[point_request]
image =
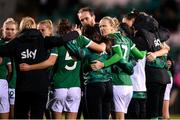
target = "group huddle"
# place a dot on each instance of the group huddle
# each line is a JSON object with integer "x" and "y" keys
{"x": 104, "y": 70}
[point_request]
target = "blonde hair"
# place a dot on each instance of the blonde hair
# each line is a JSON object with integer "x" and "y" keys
{"x": 114, "y": 22}
{"x": 27, "y": 22}
{"x": 48, "y": 22}
{"x": 10, "y": 21}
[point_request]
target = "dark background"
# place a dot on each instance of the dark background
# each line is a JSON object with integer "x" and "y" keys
{"x": 167, "y": 12}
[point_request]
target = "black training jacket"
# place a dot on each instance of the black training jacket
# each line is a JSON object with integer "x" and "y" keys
{"x": 30, "y": 47}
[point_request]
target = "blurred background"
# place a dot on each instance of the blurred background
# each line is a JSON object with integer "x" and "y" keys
{"x": 167, "y": 12}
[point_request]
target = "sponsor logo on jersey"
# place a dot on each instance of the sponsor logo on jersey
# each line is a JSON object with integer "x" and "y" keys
{"x": 157, "y": 42}
{"x": 28, "y": 54}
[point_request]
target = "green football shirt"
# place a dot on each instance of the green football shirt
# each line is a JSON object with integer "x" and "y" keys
{"x": 120, "y": 77}
{"x": 101, "y": 75}
{"x": 67, "y": 70}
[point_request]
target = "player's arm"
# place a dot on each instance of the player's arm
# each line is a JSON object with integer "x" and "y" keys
{"x": 137, "y": 53}
{"x": 153, "y": 55}
{"x": 114, "y": 59}
{"x": 9, "y": 68}
{"x": 76, "y": 51}
{"x": 77, "y": 48}
{"x": 86, "y": 42}
{"x": 54, "y": 41}
{"x": 42, "y": 65}
{"x": 97, "y": 47}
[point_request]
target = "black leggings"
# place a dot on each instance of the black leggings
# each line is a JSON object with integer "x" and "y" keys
{"x": 30, "y": 105}
{"x": 155, "y": 97}
{"x": 99, "y": 96}
{"x": 136, "y": 109}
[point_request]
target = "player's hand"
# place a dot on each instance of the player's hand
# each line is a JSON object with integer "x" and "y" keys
{"x": 151, "y": 56}
{"x": 76, "y": 28}
{"x": 24, "y": 67}
{"x": 97, "y": 65}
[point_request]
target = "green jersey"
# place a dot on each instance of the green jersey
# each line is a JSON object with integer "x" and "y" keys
{"x": 12, "y": 82}
{"x": 3, "y": 67}
{"x": 67, "y": 70}
{"x": 102, "y": 75}
{"x": 120, "y": 77}
{"x": 139, "y": 94}
{"x": 159, "y": 62}
{"x": 3, "y": 64}
{"x": 53, "y": 51}
{"x": 169, "y": 73}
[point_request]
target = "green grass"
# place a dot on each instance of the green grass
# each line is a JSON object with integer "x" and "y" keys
{"x": 175, "y": 117}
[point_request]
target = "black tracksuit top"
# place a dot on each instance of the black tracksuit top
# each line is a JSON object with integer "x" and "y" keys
{"x": 30, "y": 47}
